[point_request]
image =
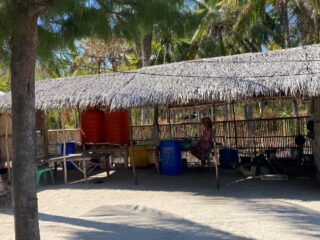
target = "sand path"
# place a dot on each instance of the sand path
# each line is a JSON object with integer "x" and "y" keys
{"x": 184, "y": 207}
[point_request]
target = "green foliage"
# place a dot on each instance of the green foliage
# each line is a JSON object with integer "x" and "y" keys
{"x": 88, "y": 37}
{"x": 4, "y": 78}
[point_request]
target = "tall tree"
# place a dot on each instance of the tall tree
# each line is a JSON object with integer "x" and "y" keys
{"x": 250, "y": 12}
{"x": 21, "y": 21}
{"x": 23, "y": 58}
{"x": 307, "y": 24}
{"x": 225, "y": 27}
{"x": 140, "y": 19}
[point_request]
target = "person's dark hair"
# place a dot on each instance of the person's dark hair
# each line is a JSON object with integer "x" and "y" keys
{"x": 207, "y": 122}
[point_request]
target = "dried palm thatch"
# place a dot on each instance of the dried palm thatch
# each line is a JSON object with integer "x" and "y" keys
{"x": 292, "y": 73}
{"x": 75, "y": 92}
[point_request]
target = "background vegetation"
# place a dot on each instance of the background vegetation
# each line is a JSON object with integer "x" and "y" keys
{"x": 136, "y": 33}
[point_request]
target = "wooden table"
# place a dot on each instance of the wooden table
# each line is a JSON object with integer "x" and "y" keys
{"x": 107, "y": 148}
{"x": 80, "y": 161}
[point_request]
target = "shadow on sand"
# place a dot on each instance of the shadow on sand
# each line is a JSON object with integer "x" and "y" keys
{"x": 122, "y": 222}
{"x": 233, "y": 185}
{"x": 119, "y": 222}
{"x": 303, "y": 220}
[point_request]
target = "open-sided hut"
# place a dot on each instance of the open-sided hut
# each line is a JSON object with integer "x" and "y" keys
{"x": 290, "y": 73}
{"x": 284, "y": 73}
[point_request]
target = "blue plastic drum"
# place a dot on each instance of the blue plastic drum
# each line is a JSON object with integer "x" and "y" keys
{"x": 229, "y": 158}
{"x": 170, "y": 154}
{"x": 70, "y": 149}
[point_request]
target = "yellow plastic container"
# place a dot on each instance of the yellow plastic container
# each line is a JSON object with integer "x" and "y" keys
{"x": 140, "y": 156}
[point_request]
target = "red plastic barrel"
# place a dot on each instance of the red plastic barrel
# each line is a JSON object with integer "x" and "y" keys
{"x": 92, "y": 127}
{"x": 116, "y": 128}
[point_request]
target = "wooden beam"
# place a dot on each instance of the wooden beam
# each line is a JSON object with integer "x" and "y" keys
{"x": 7, "y": 147}
{"x": 132, "y": 150}
{"x": 156, "y": 138}
{"x": 64, "y": 147}
{"x": 235, "y": 126}
{"x": 216, "y": 148}
{"x": 45, "y": 133}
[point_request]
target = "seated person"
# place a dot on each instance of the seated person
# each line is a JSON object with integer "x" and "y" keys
{"x": 203, "y": 147}
{"x": 3, "y": 184}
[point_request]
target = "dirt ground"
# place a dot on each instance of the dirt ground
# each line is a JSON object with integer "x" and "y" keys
{"x": 182, "y": 207}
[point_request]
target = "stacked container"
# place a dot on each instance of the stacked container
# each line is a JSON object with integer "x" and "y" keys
{"x": 92, "y": 126}
{"x": 111, "y": 127}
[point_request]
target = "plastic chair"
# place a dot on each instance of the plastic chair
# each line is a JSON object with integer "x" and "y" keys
{"x": 43, "y": 171}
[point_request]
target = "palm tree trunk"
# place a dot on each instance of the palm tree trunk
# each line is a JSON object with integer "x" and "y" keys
{"x": 316, "y": 27}
{"x": 222, "y": 49}
{"x": 248, "y": 111}
{"x": 145, "y": 55}
{"x": 146, "y": 50}
{"x": 295, "y": 108}
{"x": 23, "y": 58}
{"x": 261, "y": 109}
{"x": 284, "y": 16}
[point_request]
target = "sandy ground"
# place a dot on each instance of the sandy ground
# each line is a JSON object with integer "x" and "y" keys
{"x": 183, "y": 207}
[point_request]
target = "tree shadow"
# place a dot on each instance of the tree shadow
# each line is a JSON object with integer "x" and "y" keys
{"x": 304, "y": 221}
{"x": 122, "y": 222}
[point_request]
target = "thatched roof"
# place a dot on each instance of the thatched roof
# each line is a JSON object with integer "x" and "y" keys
{"x": 292, "y": 72}
{"x": 75, "y": 92}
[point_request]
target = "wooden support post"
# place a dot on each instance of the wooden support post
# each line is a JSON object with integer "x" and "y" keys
{"x": 7, "y": 147}
{"x": 132, "y": 150}
{"x": 126, "y": 161}
{"x": 225, "y": 123}
{"x": 45, "y": 134}
{"x": 80, "y": 129}
{"x": 315, "y": 116}
{"x": 216, "y": 149}
{"x": 235, "y": 126}
{"x": 64, "y": 147}
{"x": 169, "y": 121}
{"x": 85, "y": 171}
{"x": 156, "y": 138}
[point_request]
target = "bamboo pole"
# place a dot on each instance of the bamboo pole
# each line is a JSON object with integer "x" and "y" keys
{"x": 64, "y": 148}
{"x": 7, "y": 148}
{"x": 132, "y": 150}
